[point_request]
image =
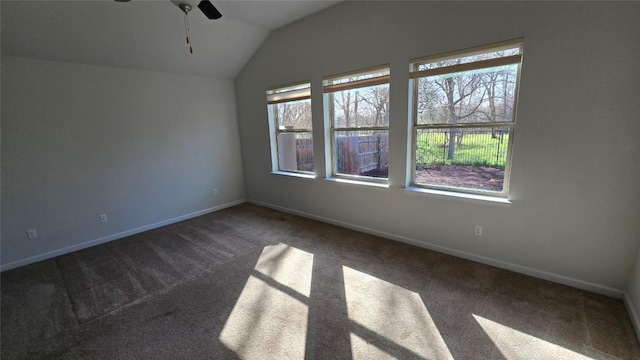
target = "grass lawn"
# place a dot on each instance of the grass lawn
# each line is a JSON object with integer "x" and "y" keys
{"x": 476, "y": 149}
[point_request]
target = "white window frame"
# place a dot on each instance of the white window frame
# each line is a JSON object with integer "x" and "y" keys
{"x": 415, "y": 74}
{"x": 339, "y": 82}
{"x": 278, "y": 95}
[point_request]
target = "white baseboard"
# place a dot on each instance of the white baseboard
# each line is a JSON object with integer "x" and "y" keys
{"x": 633, "y": 314}
{"x": 541, "y": 274}
{"x": 120, "y": 235}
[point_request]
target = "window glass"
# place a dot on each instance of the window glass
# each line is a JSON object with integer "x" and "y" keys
{"x": 359, "y": 123}
{"x": 292, "y": 135}
{"x": 464, "y": 116}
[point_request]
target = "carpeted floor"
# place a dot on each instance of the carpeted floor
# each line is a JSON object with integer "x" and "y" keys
{"x": 253, "y": 283}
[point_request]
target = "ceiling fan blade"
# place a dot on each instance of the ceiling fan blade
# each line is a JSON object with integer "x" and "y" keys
{"x": 209, "y": 10}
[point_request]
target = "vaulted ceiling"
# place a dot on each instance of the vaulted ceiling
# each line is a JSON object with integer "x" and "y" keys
{"x": 144, "y": 34}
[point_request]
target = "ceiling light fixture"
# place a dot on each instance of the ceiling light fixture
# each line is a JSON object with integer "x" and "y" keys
{"x": 186, "y": 8}
{"x": 205, "y": 6}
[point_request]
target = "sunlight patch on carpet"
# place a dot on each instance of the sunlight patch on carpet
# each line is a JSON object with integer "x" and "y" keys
{"x": 514, "y": 344}
{"x": 269, "y": 320}
{"x": 389, "y": 320}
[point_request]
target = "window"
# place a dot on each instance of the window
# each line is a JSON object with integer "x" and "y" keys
{"x": 464, "y": 107}
{"x": 289, "y": 111}
{"x": 358, "y": 111}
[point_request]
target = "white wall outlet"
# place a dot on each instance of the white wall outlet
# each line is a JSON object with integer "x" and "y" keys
{"x": 103, "y": 218}
{"x": 32, "y": 234}
{"x": 286, "y": 193}
{"x": 478, "y": 230}
{"x": 215, "y": 191}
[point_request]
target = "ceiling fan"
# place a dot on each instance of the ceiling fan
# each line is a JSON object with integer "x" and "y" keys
{"x": 205, "y": 6}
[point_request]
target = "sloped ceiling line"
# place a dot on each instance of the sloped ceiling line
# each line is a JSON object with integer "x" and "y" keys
{"x": 145, "y": 35}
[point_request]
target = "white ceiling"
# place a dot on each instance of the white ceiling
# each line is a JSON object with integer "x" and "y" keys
{"x": 146, "y": 34}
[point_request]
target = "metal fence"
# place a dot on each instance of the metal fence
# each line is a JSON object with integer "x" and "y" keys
{"x": 475, "y": 146}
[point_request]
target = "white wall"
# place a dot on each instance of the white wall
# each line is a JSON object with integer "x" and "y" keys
{"x": 632, "y": 297}
{"x": 79, "y": 141}
{"x": 575, "y": 175}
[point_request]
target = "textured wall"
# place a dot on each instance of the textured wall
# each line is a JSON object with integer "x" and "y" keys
{"x": 79, "y": 141}
{"x": 574, "y": 181}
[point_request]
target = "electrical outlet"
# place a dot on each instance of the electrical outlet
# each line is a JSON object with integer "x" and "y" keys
{"x": 286, "y": 193}
{"x": 215, "y": 191}
{"x": 32, "y": 234}
{"x": 103, "y": 218}
{"x": 478, "y": 230}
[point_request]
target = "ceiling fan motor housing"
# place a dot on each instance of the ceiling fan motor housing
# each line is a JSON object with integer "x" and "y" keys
{"x": 185, "y": 8}
{"x": 181, "y": 3}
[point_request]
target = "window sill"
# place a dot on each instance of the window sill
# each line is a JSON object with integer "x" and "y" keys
{"x": 459, "y": 196}
{"x": 295, "y": 175}
{"x": 358, "y": 183}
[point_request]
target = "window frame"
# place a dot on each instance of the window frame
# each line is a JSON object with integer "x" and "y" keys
{"x": 415, "y": 75}
{"x": 283, "y": 94}
{"x": 329, "y": 90}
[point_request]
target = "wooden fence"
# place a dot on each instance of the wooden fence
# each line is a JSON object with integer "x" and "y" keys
{"x": 355, "y": 155}
{"x": 304, "y": 154}
{"x": 359, "y": 155}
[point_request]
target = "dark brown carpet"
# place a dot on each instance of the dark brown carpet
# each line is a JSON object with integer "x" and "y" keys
{"x": 253, "y": 283}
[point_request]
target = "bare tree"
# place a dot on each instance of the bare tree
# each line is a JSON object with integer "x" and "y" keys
{"x": 296, "y": 114}
{"x": 497, "y": 85}
{"x": 462, "y": 101}
{"x": 489, "y": 82}
{"x": 377, "y": 97}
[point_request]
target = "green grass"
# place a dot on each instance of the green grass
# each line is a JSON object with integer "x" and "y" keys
{"x": 474, "y": 150}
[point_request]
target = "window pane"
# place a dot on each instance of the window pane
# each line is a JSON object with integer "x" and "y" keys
{"x": 361, "y": 107}
{"x": 357, "y": 76}
{"x": 470, "y": 58}
{"x": 479, "y": 96}
{"x": 295, "y": 151}
{"x": 471, "y": 158}
{"x": 289, "y": 89}
{"x": 363, "y": 153}
{"x": 294, "y": 114}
